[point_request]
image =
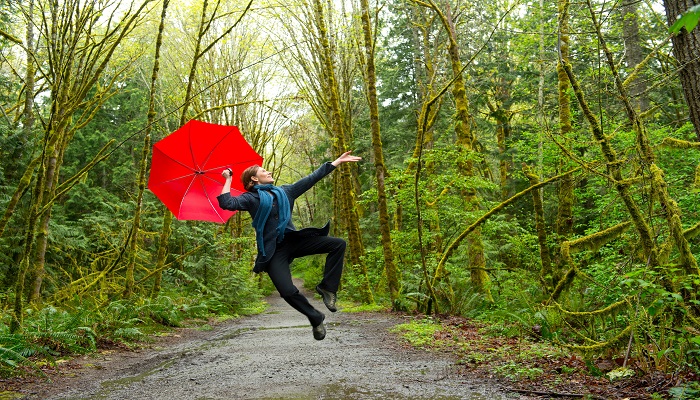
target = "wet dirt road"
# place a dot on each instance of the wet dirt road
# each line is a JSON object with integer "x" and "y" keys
{"x": 274, "y": 356}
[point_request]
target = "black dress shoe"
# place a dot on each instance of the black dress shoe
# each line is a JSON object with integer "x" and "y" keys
{"x": 328, "y": 298}
{"x": 319, "y": 330}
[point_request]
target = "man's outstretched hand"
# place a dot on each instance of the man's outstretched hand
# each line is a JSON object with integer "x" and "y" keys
{"x": 346, "y": 157}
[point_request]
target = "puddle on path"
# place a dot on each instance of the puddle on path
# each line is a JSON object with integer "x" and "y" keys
{"x": 341, "y": 391}
{"x": 109, "y": 387}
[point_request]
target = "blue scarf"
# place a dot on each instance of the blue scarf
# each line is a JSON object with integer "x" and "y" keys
{"x": 263, "y": 213}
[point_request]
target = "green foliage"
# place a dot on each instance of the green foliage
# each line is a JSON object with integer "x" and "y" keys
{"x": 128, "y": 334}
{"x": 364, "y": 308}
{"x": 14, "y": 351}
{"x": 208, "y": 272}
{"x": 685, "y": 392}
{"x": 52, "y": 332}
{"x": 515, "y": 371}
{"x": 691, "y": 390}
{"x": 688, "y": 20}
{"x": 664, "y": 311}
{"x": 419, "y": 333}
{"x": 620, "y": 374}
{"x": 48, "y": 333}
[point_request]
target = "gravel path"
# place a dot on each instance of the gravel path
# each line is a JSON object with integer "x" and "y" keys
{"x": 273, "y": 356}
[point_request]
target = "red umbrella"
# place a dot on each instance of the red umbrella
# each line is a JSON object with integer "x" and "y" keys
{"x": 187, "y": 164}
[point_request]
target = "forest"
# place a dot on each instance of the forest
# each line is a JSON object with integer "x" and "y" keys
{"x": 527, "y": 163}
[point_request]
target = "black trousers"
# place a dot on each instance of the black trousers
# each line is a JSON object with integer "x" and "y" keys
{"x": 295, "y": 246}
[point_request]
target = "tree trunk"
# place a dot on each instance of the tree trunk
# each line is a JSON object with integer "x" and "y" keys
{"x": 143, "y": 165}
{"x": 380, "y": 169}
{"x": 686, "y": 49}
{"x": 501, "y": 116}
{"x": 633, "y": 52}
{"x": 346, "y": 192}
{"x": 42, "y": 236}
{"x": 659, "y": 187}
{"x": 545, "y": 272}
{"x": 564, "y": 224}
{"x": 465, "y": 141}
{"x": 18, "y": 310}
{"x": 165, "y": 232}
{"x": 205, "y": 23}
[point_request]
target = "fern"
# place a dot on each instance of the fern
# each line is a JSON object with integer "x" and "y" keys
{"x": 11, "y": 360}
{"x": 187, "y": 277}
{"x": 130, "y": 334}
{"x": 162, "y": 311}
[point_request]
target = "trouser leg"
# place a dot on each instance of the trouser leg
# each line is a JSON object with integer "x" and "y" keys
{"x": 281, "y": 277}
{"x": 301, "y": 304}
{"x": 335, "y": 247}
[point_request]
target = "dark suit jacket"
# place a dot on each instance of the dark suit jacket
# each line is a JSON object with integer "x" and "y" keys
{"x": 250, "y": 201}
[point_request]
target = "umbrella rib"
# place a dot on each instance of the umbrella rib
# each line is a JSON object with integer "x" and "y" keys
{"x": 174, "y": 179}
{"x": 211, "y": 179}
{"x": 206, "y": 194}
{"x": 175, "y": 160}
{"x": 232, "y": 163}
{"x": 194, "y": 160}
{"x": 217, "y": 145}
{"x": 184, "y": 196}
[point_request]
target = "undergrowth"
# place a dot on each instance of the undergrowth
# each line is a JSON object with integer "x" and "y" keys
{"x": 50, "y": 333}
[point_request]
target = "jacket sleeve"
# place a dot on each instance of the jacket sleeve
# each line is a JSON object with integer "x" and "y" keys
{"x": 302, "y": 185}
{"x": 234, "y": 203}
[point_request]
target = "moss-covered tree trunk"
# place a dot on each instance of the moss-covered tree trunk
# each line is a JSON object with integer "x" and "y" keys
{"x": 466, "y": 141}
{"x": 564, "y": 223}
{"x": 380, "y": 169}
{"x": 28, "y": 125}
{"x": 42, "y": 236}
{"x": 541, "y": 229}
{"x": 166, "y": 230}
{"x": 502, "y": 116}
{"x": 143, "y": 165}
{"x": 18, "y": 309}
{"x": 613, "y": 162}
{"x": 614, "y": 165}
{"x": 345, "y": 191}
{"x": 659, "y": 187}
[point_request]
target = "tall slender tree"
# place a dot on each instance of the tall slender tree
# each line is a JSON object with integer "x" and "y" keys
{"x": 564, "y": 224}
{"x": 634, "y": 56}
{"x": 133, "y": 238}
{"x": 345, "y": 192}
{"x": 380, "y": 169}
{"x": 201, "y": 48}
{"x": 76, "y": 67}
{"x": 466, "y": 141}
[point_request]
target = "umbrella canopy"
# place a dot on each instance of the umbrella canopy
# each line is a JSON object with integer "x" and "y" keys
{"x": 186, "y": 169}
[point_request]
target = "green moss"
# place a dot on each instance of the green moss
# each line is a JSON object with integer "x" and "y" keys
{"x": 515, "y": 371}
{"x": 419, "y": 333}
{"x": 364, "y": 308}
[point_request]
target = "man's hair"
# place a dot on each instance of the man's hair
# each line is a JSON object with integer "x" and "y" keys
{"x": 246, "y": 176}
